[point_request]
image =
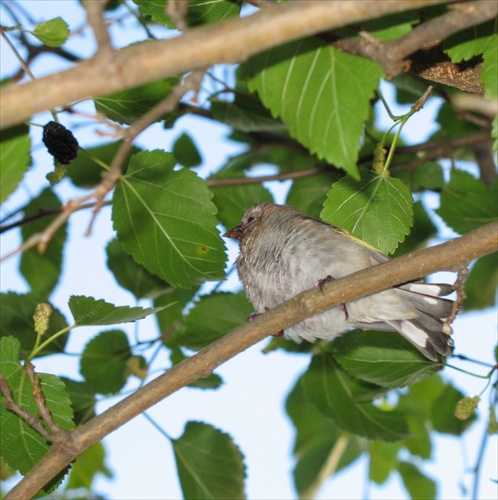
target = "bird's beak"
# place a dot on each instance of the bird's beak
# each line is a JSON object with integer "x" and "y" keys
{"x": 233, "y": 233}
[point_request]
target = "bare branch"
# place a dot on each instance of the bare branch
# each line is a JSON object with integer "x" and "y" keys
{"x": 452, "y": 255}
{"x": 197, "y": 48}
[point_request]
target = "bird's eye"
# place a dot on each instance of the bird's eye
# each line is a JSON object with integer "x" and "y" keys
{"x": 250, "y": 219}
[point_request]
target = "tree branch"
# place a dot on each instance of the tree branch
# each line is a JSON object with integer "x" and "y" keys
{"x": 451, "y": 255}
{"x": 197, "y": 48}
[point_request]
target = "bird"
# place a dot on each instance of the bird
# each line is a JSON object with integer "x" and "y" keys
{"x": 284, "y": 252}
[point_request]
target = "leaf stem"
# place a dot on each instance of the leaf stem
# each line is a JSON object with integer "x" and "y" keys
{"x": 40, "y": 347}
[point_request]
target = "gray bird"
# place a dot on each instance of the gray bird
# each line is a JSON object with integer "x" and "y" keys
{"x": 284, "y": 252}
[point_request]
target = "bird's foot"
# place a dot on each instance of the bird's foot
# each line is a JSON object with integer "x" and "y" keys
{"x": 321, "y": 283}
{"x": 253, "y": 316}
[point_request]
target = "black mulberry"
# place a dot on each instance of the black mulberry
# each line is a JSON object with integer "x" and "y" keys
{"x": 60, "y": 142}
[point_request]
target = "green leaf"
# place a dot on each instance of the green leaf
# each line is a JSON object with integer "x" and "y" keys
{"x": 186, "y": 152}
{"x": 376, "y": 209}
{"x": 467, "y": 203}
{"x": 85, "y": 172}
{"x": 469, "y": 43}
{"x": 42, "y": 271}
{"x": 22, "y": 447}
{"x": 210, "y": 465}
{"x": 489, "y": 70}
{"x": 308, "y": 194}
{"x": 421, "y": 396}
{"x": 335, "y": 394}
{"x": 443, "y": 413}
{"x": 166, "y": 220}
{"x": 212, "y": 317}
{"x": 233, "y": 201}
{"x": 382, "y": 358}
{"x": 103, "y": 363}
{"x": 130, "y": 275}
{"x": 418, "y": 485}
{"x": 317, "y": 437}
{"x": 320, "y": 93}
{"x": 87, "y": 466}
{"x": 423, "y": 228}
{"x": 246, "y": 115}
{"x": 89, "y": 311}
{"x": 174, "y": 301}
{"x": 15, "y": 158}
{"x": 481, "y": 285}
{"x": 199, "y": 11}
{"x": 16, "y": 319}
{"x": 52, "y": 33}
{"x": 127, "y": 106}
{"x": 83, "y": 401}
{"x": 419, "y": 443}
{"x": 383, "y": 460}
{"x": 425, "y": 176}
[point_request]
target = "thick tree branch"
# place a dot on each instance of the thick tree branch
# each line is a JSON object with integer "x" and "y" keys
{"x": 230, "y": 41}
{"x": 452, "y": 255}
{"x": 422, "y": 45}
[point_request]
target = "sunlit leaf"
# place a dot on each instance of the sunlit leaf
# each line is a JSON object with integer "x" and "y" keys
{"x": 52, "y": 33}
{"x": 320, "y": 93}
{"x": 376, "y": 209}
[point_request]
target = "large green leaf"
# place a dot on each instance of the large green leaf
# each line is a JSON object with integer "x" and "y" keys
{"x": 320, "y": 93}
{"x": 213, "y": 316}
{"x": 210, "y": 465}
{"x": 14, "y": 158}
{"x": 103, "y": 363}
{"x": 16, "y": 319}
{"x": 198, "y": 11}
{"x": 382, "y": 358}
{"x": 376, "y": 209}
{"x": 131, "y": 275}
{"x": 22, "y": 447}
{"x": 89, "y": 311}
{"x": 336, "y": 395}
{"x": 166, "y": 220}
{"x": 42, "y": 271}
{"x": 467, "y": 203}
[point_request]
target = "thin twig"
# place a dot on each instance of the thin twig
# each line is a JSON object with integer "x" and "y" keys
{"x": 39, "y": 398}
{"x": 24, "y": 415}
{"x": 94, "y": 10}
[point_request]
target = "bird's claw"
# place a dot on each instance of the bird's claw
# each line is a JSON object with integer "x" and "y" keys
{"x": 253, "y": 316}
{"x": 321, "y": 283}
